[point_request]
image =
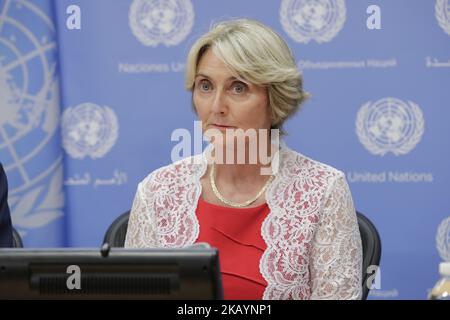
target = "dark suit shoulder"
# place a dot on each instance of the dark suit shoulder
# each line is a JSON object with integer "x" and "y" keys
{"x": 5, "y": 216}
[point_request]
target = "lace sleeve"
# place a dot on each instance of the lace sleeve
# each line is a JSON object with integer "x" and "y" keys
{"x": 140, "y": 232}
{"x": 336, "y": 253}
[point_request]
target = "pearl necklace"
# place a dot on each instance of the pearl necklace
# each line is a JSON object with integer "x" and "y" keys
{"x": 231, "y": 203}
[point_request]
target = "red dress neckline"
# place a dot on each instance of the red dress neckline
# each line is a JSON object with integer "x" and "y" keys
{"x": 236, "y": 233}
{"x": 235, "y": 210}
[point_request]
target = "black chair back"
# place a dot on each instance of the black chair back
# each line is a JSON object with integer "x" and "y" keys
{"x": 115, "y": 235}
{"x": 17, "y": 240}
{"x": 371, "y": 245}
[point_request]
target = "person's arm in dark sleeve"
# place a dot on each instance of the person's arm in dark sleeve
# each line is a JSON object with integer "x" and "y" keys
{"x": 5, "y": 217}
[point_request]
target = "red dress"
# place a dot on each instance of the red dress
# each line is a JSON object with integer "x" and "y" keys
{"x": 236, "y": 233}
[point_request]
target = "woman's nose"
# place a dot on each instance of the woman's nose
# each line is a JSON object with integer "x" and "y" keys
{"x": 219, "y": 104}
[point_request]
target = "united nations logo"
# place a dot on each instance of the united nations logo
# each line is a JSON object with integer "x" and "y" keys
{"x": 442, "y": 10}
{"x": 389, "y": 125}
{"x": 155, "y": 21}
{"x": 319, "y": 20}
{"x": 89, "y": 130}
{"x": 29, "y": 115}
{"x": 443, "y": 239}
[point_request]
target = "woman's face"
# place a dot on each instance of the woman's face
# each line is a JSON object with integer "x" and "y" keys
{"x": 224, "y": 102}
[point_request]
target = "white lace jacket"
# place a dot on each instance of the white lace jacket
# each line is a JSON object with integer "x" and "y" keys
{"x": 312, "y": 236}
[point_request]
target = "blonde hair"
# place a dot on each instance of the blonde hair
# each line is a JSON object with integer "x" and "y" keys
{"x": 257, "y": 54}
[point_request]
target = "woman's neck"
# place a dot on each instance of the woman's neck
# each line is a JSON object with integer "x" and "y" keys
{"x": 253, "y": 171}
{"x": 240, "y": 174}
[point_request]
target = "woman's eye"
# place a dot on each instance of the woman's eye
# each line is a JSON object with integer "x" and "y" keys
{"x": 239, "y": 87}
{"x": 205, "y": 85}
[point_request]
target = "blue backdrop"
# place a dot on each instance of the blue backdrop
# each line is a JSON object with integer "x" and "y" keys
{"x": 111, "y": 72}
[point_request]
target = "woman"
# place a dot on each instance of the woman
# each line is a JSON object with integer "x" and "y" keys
{"x": 289, "y": 234}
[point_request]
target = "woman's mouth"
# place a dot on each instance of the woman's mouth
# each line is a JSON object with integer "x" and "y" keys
{"x": 221, "y": 126}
